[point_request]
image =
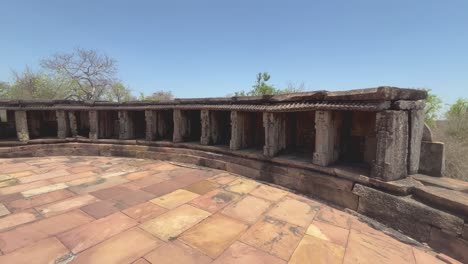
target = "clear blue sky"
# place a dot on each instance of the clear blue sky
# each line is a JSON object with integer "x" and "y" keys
{"x": 213, "y": 48}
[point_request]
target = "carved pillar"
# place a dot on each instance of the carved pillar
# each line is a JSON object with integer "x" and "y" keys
{"x": 416, "y": 133}
{"x": 392, "y": 145}
{"x": 151, "y": 125}
{"x": 126, "y": 128}
{"x": 240, "y": 129}
{"x": 73, "y": 125}
{"x": 181, "y": 126}
{"x": 206, "y": 128}
{"x": 275, "y": 133}
{"x": 21, "y": 124}
{"x": 93, "y": 124}
{"x": 62, "y": 124}
{"x": 327, "y": 137}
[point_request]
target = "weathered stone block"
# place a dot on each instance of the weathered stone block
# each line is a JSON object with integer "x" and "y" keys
{"x": 72, "y": 123}
{"x": 449, "y": 200}
{"x": 93, "y": 124}
{"x": 392, "y": 146}
{"x": 126, "y": 126}
{"x": 432, "y": 161}
{"x": 451, "y": 245}
{"x": 327, "y": 137}
{"x": 405, "y": 214}
{"x": 415, "y": 136}
{"x": 21, "y": 123}
{"x": 275, "y": 133}
{"x": 63, "y": 127}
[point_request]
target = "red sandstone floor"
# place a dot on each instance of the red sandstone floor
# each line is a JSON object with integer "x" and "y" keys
{"x": 117, "y": 210}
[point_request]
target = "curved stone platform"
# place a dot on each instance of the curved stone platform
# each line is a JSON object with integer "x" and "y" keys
{"x": 406, "y": 205}
{"x": 75, "y": 209}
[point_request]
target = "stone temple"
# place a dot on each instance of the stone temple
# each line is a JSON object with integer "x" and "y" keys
{"x": 314, "y": 177}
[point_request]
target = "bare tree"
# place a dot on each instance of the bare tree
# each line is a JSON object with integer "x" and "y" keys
{"x": 91, "y": 73}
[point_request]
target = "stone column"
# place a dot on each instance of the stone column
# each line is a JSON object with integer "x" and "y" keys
{"x": 206, "y": 128}
{"x": 275, "y": 133}
{"x": 181, "y": 126}
{"x": 239, "y": 130}
{"x": 62, "y": 124}
{"x": 327, "y": 137}
{"x": 151, "y": 125}
{"x": 392, "y": 146}
{"x": 73, "y": 125}
{"x": 163, "y": 126}
{"x": 416, "y": 118}
{"x": 21, "y": 124}
{"x": 93, "y": 124}
{"x": 126, "y": 129}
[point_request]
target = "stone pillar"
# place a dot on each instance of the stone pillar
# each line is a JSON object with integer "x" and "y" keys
{"x": 21, "y": 124}
{"x": 392, "y": 146}
{"x": 327, "y": 137}
{"x": 93, "y": 124}
{"x": 62, "y": 124}
{"x": 416, "y": 118}
{"x": 181, "y": 126}
{"x": 163, "y": 125}
{"x": 73, "y": 125}
{"x": 151, "y": 124}
{"x": 239, "y": 130}
{"x": 275, "y": 133}
{"x": 126, "y": 129}
{"x": 206, "y": 128}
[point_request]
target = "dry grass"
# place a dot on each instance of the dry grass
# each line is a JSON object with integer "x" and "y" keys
{"x": 454, "y": 133}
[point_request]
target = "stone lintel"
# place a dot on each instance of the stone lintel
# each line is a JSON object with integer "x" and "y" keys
{"x": 392, "y": 146}
{"x": 326, "y": 137}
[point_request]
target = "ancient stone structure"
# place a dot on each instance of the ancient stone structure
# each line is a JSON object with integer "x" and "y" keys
{"x": 359, "y": 149}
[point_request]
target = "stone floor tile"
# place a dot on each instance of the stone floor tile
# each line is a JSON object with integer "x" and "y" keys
{"x": 22, "y": 187}
{"x": 35, "y": 231}
{"x": 8, "y": 198}
{"x": 240, "y": 253}
{"x": 45, "y": 251}
{"x": 176, "y": 252}
{"x": 97, "y": 185}
{"x": 125, "y": 247}
{"x": 175, "y": 199}
{"x": 334, "y": 217}
{"x": 144, "y": 211}
{"x": 44, "y": 176}
{"x": 143, "y": 182}
{"x": 88, "y": 235}
{"x": 170, "y": 225}
{"x": 214, "y": 200}
{"x": 269, "y": 193}
{"x": 5, "y": 177}
{"x": 249, "y": 209}
{"x": 141, "y": 261}
{"x": 44, "y": 189}
{"x": 83, "y": 181}
{"x": 164, "y": 187}
{"x": 21, "y": 174}
{"x": 376, "y": 248}
{"x": 100, "y": 209}
{"x": 223, "y": 178}
{"x": 9, "y": 182}
{"x": 81, "y": 169}
{"x": 422, "y": 257}
{"x": 73, "y": 177}
{"x": 293, "y": 211}
{"x": 328, "y": 232}
{"x": 214, "y": 234}
{"x": 138, "y": 175}
{"x": 41, "y": 199}
{"x": 16, "y": 219}
{"x": 274, "y": 236}
{"x": 13, "y": 168}
{"x": 318, "y": 250}
{"x": 242, "y": 186}
{"x": 201, "y": 187}
{"x": 66, "y": 205}
{"x": 3, "y": 210}
{"x": 191, "y": 176}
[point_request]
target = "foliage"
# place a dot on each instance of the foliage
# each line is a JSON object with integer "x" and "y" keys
{"x": 157, "y": 96}
{"x": 433, "y": 107}
{"x": 4, "y": 88}
{"x": 457, "y": 120}
{"x": 262, "y": 88}
{"x": 119, "y": 93}
{"x": 91, "y": 73}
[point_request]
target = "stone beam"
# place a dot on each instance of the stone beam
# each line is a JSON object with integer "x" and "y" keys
{"x": 327, "y": 137}
{"x": 126, "y": 128}
{"x": 63, "y": 128}
{"x": 392, "y": 146}
{"x": 275, "y": 133}
{"x": 93, "y": 124}
{"x": 21, "y": 124}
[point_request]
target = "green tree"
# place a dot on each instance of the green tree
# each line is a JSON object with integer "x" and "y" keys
{"x": 4, "y": 89}
{"x": 157, "y": 96}
{"x": 119, "y": 93}
{"x": 457, "y": 120}
{"x": 433, "y": 107}
{"x": 262, "y": 88}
